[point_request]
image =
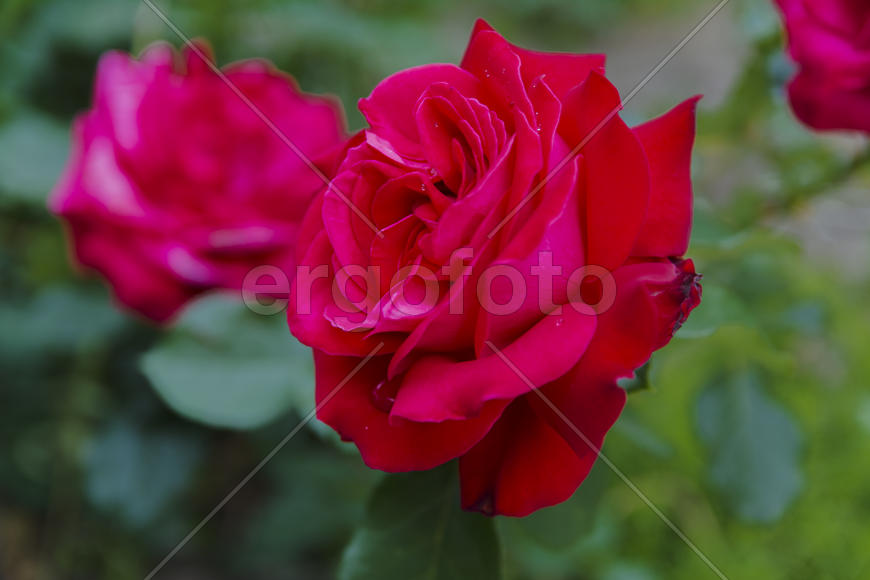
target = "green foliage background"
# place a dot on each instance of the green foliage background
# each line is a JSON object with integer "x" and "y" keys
{"x": 751, "y": 431}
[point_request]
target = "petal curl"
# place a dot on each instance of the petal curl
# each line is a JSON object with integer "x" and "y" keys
{"x": 389, "y": 443}
{"x": 438, "y": 388}
{"x": 391, "y": 106}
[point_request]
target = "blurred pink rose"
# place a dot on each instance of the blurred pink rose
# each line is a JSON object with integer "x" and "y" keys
{"x": 830, "y": 41}
{"x": 175, "y": 186}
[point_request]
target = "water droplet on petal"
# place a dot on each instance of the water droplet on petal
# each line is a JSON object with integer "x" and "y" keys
{"x": 383, "y": 396}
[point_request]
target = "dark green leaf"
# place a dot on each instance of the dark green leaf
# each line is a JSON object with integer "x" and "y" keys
{"x": 58, "y": 320}
{"x": 414, "y": 529}
{"x": 562, "y": 526}
{"x": 137, "y": 474}
{"x": 640, "y": 381}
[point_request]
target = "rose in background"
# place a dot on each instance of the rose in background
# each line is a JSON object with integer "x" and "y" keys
{"x": 830, "y": 42}
{"x": 175, "y": 186}
{"x": 434, "y": 183}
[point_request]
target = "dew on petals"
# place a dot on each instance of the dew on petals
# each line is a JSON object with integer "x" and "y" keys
{"x": 383, "y": 395}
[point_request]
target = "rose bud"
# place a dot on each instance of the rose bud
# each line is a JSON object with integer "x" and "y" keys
{"x": 176, "y": 186}
{"x": 497, "y": 240}
{"x": 830, "y": 42}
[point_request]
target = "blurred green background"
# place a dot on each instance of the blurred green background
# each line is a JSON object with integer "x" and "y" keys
{"x": 751, "y": 431}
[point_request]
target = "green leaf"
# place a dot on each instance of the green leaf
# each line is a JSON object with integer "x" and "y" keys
{"x": 33, "y": 152}
{"x": 755, "y": 447}
{"x": 89, "y": 23}
{"x": 59, "y": 320}
{"x": 559, "y": 528}
{"x": 640, "y": 381}
{"x": 226, "y": 366}
{"x": 324, "y": 487}
{"x": 415, "y": 529}
{"x": 136, "y": 474}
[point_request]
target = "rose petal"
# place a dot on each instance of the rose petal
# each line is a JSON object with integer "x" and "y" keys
{"x": 668, "y": 142}
{"x": 824, "y": 106}
{"x": 311, "y": 295}
{"x": 522, "y": 465}
{"x": 151, "y": 291}
{"x": 437, "y": 388}
{"x": 390, "y": 108}
{"x": 563, "y": 71}
{"x": 389, "y": 444}
{"x": 617, "y": 173}
{"x": 491, "y": 59}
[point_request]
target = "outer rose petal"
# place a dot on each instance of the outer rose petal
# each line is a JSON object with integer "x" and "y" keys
{"x": 437, "y": 388}
{"x": 102, "y": 207}
{"x": 529, "y": 460}
{"x": 668, "y": 144}
{"x": 830, "y": 41}
{"x": 825, "y": 107}
{"x": 617, "y": 179}
{"x": 521, "y": 465}
{"x": 389, "y": 444}
{"x": 135, "y": 283}
{"x": 511, "y": 472}
{"x": 652, "y": 300}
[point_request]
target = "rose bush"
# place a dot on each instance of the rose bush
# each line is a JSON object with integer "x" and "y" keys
{"x": 176, "y": 186}
{"x": 830, "y": 41}
{"x": 462, "y": 252}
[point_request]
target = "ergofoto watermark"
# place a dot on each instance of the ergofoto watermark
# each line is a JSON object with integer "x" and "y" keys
{"x": 356, "y": 297}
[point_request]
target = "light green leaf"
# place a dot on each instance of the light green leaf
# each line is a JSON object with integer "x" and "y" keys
{"x": 754, "y": 445}
{"x": 33, "y": 152}
{"x": 226, "y": 366}
{"x": 414, "y": 529}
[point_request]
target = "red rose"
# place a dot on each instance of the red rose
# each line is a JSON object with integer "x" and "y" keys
{"x": 830, "y": 41}
{"x": 175, "y": 186}
{"x": 417, "y": 263}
